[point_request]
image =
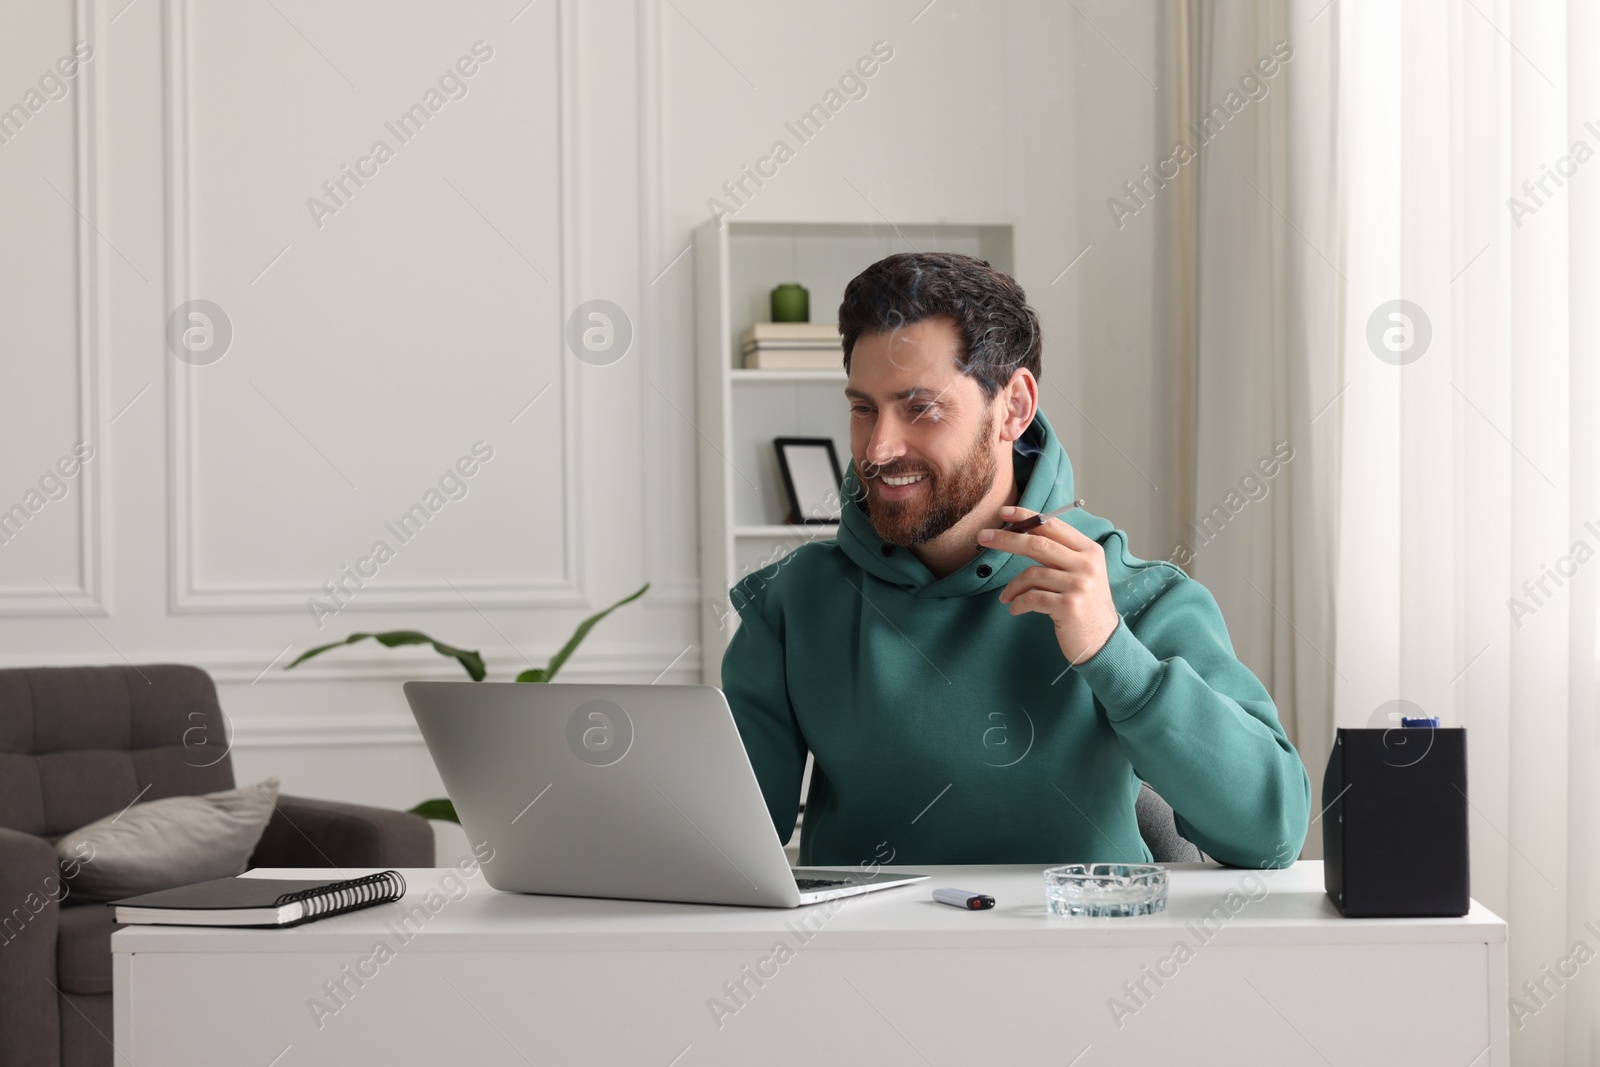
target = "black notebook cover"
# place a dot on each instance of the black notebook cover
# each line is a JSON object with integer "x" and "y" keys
{"x": 321, "y": 898}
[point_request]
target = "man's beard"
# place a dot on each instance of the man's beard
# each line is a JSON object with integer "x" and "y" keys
{"x": 945, "y": 502}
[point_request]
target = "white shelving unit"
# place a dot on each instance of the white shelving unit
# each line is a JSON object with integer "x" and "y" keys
{"x": 742, "y": 501}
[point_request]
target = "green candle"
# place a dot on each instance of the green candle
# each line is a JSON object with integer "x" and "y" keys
{"x": 791, "y": 303}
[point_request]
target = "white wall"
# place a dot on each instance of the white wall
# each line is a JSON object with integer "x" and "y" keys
{"x": 372, "y": 350}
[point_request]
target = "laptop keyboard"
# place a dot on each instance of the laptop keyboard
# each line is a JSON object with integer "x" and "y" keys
{"x": 818, "y": 883}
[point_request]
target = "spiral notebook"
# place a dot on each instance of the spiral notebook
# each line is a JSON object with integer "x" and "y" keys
{"x": 259, "y": 901}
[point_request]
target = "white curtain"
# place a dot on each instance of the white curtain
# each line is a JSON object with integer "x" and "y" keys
{"x": 1265, "y": 347}
{"x": 1469, "y": 468}
{"x": 1436, "y": 538}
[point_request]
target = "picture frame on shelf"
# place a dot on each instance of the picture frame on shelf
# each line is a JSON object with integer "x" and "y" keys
{"x": 811, "y": 479}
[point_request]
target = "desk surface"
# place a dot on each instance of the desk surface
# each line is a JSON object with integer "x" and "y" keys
{"x": 1256, "y": 907}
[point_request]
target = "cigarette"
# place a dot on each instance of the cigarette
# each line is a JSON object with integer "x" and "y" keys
{"x": 1039, "y": 520}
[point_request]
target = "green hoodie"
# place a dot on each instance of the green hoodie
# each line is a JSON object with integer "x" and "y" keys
{"x": 949, "y": 731}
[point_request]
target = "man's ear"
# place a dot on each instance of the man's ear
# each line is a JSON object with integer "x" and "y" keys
{"x": 1018, "y": 401}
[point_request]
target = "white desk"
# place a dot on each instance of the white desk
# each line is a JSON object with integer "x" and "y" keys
{"x": 888, "y": 978}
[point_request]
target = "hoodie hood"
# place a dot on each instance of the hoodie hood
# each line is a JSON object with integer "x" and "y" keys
{"x": 1044, "y": 478}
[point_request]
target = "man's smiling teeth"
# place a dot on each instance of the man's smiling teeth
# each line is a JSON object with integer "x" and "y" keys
{"x": 903, "y": 481}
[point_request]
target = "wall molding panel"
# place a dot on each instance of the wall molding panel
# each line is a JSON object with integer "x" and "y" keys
{"x": 188, "y": 594}
{"x": 86, "y": 597}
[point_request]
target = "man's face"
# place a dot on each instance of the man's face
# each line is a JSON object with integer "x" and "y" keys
{"x": 922, "y": 436}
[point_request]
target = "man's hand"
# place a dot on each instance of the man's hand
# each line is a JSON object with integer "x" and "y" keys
{"x": 1069, "y": 585}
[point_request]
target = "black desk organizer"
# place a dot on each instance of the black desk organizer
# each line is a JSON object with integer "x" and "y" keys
{"x": 1394, "y": 832}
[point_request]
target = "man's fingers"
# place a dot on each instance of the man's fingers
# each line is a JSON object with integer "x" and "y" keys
{"x": 1057, "y": 529}
{"x": 1038, "y": 548}
{"x": 1054, "y": 543}
{"x": 1049, "y": 579}
{"x": 1043, "y": 601}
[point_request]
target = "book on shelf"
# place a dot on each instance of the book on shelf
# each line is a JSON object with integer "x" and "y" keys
{"x": 787, "y": 333}
{"x": 792, "y": 346}
{"x": 259, "y": 901}
{"x": 794, "y": 359}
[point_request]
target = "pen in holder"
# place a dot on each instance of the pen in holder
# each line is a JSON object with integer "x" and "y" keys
{"x": 1394, "y": 822}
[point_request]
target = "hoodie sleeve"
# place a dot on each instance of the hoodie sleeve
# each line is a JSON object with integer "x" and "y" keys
{"x": 753, "y": 679}
{"x": 1202, "y": 730}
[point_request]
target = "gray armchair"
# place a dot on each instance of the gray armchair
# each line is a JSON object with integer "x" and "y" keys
{"x": 80, "y": 743}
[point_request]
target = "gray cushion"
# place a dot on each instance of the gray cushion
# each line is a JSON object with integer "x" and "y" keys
{"x": 164, "y": 843}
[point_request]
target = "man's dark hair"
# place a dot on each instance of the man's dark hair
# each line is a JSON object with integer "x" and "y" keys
{"x": 999, "y": 331}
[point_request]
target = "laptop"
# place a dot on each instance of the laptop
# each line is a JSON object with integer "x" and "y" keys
{"x": 635, "y": 792}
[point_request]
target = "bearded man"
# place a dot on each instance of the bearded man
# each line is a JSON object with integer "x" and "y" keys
{"x": 975, "y": 694}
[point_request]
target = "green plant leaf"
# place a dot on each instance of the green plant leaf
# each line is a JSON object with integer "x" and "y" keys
{"x": 439, "y": 808}
{"x": 549, "y": 672}
{"x": 470, "y": 661}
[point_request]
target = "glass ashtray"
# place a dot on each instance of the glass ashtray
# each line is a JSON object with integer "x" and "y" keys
{"x": 1099, "y": 890}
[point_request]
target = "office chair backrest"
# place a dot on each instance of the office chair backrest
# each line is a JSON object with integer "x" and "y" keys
{"x": 1160, "y": 832}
